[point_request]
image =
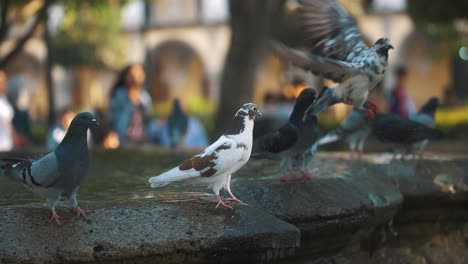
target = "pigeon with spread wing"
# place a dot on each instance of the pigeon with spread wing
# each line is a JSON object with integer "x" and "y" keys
{"x": 338, "y": 53}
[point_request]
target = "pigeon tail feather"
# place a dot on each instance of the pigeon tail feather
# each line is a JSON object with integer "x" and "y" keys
{"x": 328, "y": 138}
{"x": 169, "y": 177}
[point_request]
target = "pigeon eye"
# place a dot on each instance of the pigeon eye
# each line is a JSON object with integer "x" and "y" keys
{"x": 255, "y": 108}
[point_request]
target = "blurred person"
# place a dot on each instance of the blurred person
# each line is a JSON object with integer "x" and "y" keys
{"x": 6, "y": 117}
{"x": 400, "y": 101}
{"x": 180, "y": 130}
{"x": 130, "y": 105}
{"x": 59, "y": 129}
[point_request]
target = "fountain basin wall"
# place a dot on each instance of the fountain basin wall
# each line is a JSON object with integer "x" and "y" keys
{"x": 347, "y": 209}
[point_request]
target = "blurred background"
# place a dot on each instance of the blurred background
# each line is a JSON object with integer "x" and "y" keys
{"x": 173, "y": 72}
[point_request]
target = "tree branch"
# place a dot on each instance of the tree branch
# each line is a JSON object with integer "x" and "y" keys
{"x": 41, "y": 15}
{"x": 4, "y": 25}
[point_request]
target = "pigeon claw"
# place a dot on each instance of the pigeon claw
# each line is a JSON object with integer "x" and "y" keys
{"x": 286, "y": 179}
{"x": 55, "y": 217}
{"x": 234, "y": 199}
{"x": 221, "y": 202}
{"x": 306, "y": 176}
{"x": 82, "y": 213}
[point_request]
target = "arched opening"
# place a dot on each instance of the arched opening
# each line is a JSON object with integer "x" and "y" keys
{"x": 175, "y": 69}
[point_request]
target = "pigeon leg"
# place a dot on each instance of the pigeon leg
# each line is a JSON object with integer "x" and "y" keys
{"x": 227, "y": 187}
{"x": 305, "y": 175}
{"x": 55, "y": 217}
{"x": 371, "y": 109}
{"x": 221, "y": 202}
{"x": 79, "y": 212}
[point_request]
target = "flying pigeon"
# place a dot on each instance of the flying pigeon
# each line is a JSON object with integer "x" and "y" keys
{"x": 59, "y": 173}
{"x": 293, "y": 141}
{"x": 338, "y": 53}
{"x": 218, "y": 162}
{"x": 355, "y": 129}
{"x": 177, "y": 124}
{"x": 425, "y": 116}
{"x": 402, "y": 132}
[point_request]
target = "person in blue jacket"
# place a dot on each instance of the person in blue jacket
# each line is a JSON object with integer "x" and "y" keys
{"x": 130, "y": 106}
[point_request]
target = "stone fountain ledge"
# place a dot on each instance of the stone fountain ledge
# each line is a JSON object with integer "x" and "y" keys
{"x": 345, "y": 203}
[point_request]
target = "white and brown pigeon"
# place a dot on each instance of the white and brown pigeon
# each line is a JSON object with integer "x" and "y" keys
{"x": 59, "y": 173}
{"x": 338, "y": 53}
{"x": 216, "y": 164}
{"x": 292, "y": 143}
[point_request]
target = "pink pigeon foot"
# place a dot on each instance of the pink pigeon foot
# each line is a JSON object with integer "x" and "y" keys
{"x": 221, "y": 202}
{"x": 234, "y": 199}
{"x": 306, "y": 176}
{"x": 286, "y": 179}
{"x": 82, "y": 213}
{"x": 55, "y": 217}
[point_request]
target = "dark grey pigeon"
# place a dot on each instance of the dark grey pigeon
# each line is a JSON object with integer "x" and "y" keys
{"x": 338, "y": 53}
{"x": 425, "y": 116}
{"x": 215, "y": 165}
{"x": 402, "y": 132}
{"x": 355, "y": 129}
{"x": 59, "y": 173}
{"x": 177, "y": 124}
{"x": 292, "y": 143}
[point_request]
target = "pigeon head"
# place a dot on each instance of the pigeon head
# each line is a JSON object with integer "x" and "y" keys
{"x": 82, "y": 121}
{"x": 251, "y": 110}
{"x": 430, "y": 106}
{"x": 247, "y": 112}
{"x": 303, "y": 101}
{"x": 382, "y": 45}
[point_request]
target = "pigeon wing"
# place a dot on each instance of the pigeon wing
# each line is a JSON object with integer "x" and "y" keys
{"x": 35, "y": 173}
{"x": 332, "y": 69}
{"x": 216, "y": 159}
{"x": 331, "y": 31}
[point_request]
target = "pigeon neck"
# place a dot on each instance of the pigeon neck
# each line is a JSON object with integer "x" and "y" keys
{"x": 298, "y": 112}
{"x": 237, "y": 125}
{"x": 75, "y": 135}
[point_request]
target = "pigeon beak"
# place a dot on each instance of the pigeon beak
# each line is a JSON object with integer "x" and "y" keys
{"x": 391, "y": 47}
{"x": 259, "y": 114}
{"x": 95, "y": 122}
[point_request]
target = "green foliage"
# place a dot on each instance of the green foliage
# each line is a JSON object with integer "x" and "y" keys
{"x": 90, "y": 34}
{"x": 436, "y": 19}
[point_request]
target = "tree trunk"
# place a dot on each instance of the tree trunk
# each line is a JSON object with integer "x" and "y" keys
{"x": 251, "y": 24}
{"x": 49, "y": 62}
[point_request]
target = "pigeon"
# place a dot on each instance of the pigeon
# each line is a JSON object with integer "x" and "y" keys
{"x": 401, "y": 132}
{"x": 59, "y": 173}
{"x": 425, "y": 116}
{"x": 338, "y": 53}
{"x": 177, "y": 124}
{"x": 216, "y": 164}
{"x": 292, "y": 142}
{"x": 355, "y": 129}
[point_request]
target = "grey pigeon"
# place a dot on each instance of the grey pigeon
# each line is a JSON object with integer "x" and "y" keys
{"x": 338, "y": 53}
{"x": 401, "y": 132}
{"x": 355, "y": 129}
{"x": 425, "y": 116}
{"x": 59, "y": 173}
{"x": 215, "y": 165}
{"x": 177, "y": 124}
{"x": 292, "y": 143}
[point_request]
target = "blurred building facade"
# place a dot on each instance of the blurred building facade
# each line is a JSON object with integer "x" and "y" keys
{"x": 183, "y": 43}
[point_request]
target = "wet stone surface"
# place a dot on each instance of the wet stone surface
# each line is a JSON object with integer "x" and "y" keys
{"x": 345, "y": 209}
